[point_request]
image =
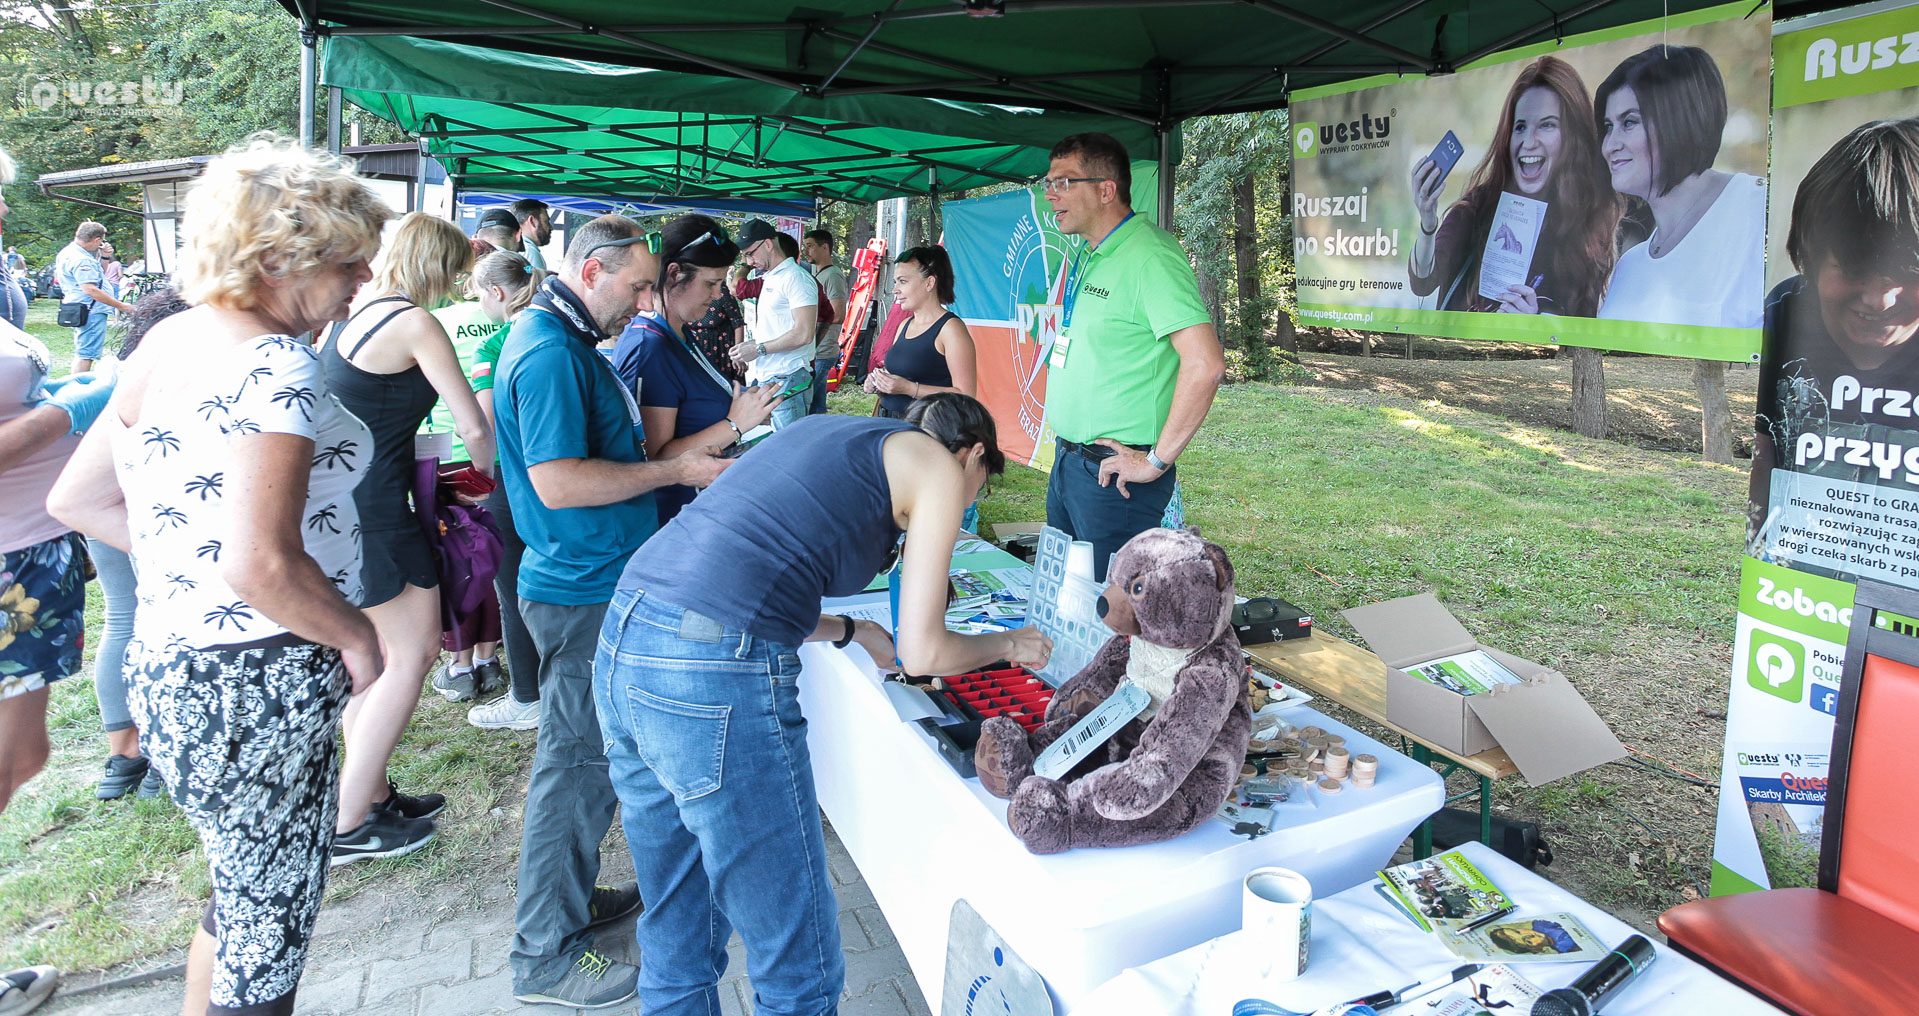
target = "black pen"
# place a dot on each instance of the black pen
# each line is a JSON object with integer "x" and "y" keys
{"x": 1384, "y": 999}
{"x": 1488, "y": 919}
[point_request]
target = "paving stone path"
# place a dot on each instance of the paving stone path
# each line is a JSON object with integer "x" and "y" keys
{"x": 406, "y": 956}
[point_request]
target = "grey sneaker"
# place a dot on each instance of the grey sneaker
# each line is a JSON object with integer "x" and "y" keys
{"x": 455, "y": 686}
{"x": 123, "y": 774}
{"x": 595, "y": 982}
{"x": 23, "y": 990}
{"x": 152, "y": 784}
{"x": 504, "y": 713}
{"x": 490, "y": 675}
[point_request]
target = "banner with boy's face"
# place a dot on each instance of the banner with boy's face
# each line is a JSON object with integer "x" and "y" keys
{"x": 1603, "y": 192}
{"x": 1835, "y": 481}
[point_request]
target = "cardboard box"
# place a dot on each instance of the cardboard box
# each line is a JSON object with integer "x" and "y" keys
{"x": 1544, "y": 724}
{"x": 1021, "y": 539}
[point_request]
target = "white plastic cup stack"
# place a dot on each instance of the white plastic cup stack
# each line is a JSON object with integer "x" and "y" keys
{"x": 1276, "y": 921}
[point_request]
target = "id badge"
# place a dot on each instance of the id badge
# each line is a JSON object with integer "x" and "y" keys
{"x": 1098, "y": 727}
{"x": 1057, "y": 361}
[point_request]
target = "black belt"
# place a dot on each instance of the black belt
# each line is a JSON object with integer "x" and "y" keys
{"x": 1095, "y": 452}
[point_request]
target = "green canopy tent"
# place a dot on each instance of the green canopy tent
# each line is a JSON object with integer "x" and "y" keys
{"x": 508, "y": 121}
{"x": 1148, "y": 63}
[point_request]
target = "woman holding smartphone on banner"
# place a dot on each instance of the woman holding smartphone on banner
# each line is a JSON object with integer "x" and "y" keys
{"x": 1544, "y": 148}
{"x": 935, "y": 352}
{"x": 1662, "y": 112}
{"x": 696, "y": 681}
{"x": 685, "y": 402}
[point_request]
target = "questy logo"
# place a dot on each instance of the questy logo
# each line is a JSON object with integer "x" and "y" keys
{"x": 1305, "y": 140}
{"x": 1776, "y": 666}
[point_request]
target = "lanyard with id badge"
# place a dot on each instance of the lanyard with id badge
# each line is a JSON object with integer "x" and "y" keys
{"x": 1063, "y": 344}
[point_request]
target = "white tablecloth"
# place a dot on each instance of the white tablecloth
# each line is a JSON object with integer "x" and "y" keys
{"x": 924, "y": 838}
{"x": 1361, "y": 945}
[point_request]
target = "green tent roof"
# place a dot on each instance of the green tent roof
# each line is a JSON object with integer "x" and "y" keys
{"x": 501, "y": 120}
{"x": 1153, "y": 61}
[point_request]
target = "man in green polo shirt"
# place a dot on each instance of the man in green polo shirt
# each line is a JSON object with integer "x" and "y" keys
{"x": 1137, "y": 363}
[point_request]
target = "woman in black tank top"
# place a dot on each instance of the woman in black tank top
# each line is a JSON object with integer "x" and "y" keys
{"x": 935, "y": 351}
{"x": 388, "y": 364}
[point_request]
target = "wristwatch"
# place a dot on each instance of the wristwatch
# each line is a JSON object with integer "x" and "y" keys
{"x": 761, "y": 347}
{"x": 1153, "y": 459}
{"x": 846, "y": 639}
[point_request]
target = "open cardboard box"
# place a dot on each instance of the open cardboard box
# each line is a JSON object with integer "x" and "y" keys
{"x": 1544, "y": 725}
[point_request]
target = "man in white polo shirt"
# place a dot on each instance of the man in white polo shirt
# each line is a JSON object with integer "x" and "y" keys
{"x": 788, "y": 308}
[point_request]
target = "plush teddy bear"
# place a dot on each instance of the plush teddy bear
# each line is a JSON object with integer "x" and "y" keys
{"x": 1170, "y": 599}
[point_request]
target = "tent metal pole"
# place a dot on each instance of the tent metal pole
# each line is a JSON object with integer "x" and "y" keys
{"x": 638, "y": 43}
{"x": 1166, "y": 176}
{"x": 333, "y": 119}
{"x": 1520, "y": 36}
{"x": 1341, "y": 32}
{"x": 309, "y": 73}
{"x": 1369, "y": 26}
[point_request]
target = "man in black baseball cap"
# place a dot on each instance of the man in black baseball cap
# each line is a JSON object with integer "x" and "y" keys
{"x": 499, "y": 228}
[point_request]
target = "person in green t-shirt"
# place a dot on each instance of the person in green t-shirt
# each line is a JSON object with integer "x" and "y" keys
{"x": 1137, "y": 361}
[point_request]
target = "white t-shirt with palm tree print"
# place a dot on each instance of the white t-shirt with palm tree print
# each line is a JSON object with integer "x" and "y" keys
{"x": 173, "y": 469}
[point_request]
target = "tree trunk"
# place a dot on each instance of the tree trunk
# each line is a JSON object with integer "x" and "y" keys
{"x": 1715, "y": 428}
{"x": 1209, "y": 293}
{"x": 1246, "y": 264}
{"x": 1589, "y": 392}
{"x": 1287, "y": 334}
{"x": 862, "y": 229}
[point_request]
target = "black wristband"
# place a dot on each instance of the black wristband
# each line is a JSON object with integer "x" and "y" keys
{"x": 847, "y": 639}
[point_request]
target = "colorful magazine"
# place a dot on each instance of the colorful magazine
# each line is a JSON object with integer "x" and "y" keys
{"x": 1444, "y": 892}
{"x": 1549, "y": 938}
{"x": 1494, "y": 991}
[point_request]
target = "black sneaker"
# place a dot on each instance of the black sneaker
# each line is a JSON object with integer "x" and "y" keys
{"x": 408, "y": 806}
{"x": 595, "y": 982}
{"x": 490, "y": 676}
{"x": 383, "y": 834}
{"x": 152, "y": 784}
{"x": 123, "y": 774}
{"x": 608, "y": 905}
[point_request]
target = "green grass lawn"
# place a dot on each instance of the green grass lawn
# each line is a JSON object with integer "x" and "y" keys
{"x": 1615, "y": 564}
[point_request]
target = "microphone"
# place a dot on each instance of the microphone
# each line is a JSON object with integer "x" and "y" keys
{"x": 1599, "y": 983}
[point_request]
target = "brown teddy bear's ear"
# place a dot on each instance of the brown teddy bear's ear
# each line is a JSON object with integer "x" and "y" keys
{"x": 1222, "y": 568}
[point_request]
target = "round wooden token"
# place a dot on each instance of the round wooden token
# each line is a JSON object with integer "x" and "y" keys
{"x": 1329, "y": 786}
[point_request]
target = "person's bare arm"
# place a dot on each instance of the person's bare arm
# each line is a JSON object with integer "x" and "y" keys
{"x": 801, "y": 333}
{"x": 1202, "y": 366}
{"x": 87, "y": 496}
{"x": 930, "y": 488}
{"x": 265, "y": 561}
{"x": 104, "y": 297}
{"x": 584, "y": 483}
{"x": 31, "y": 431}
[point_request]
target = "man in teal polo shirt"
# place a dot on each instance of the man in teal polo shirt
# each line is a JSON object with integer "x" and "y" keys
{"x": 1137, "y": 363}
{"x": 573, "y": 461}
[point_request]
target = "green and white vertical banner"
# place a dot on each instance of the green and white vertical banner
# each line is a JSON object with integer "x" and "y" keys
{"x": 1835, "y": 479}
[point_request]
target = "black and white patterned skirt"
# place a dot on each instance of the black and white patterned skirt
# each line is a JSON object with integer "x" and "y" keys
{"x": 245, "y": 741}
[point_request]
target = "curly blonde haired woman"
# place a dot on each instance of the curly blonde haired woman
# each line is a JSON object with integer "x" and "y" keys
{"x": 227, "y": 445}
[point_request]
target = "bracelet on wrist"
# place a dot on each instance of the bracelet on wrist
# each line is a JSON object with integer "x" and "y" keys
{"x": 1153, "y": 459}
{"x": 1428, "y": 232}
{"x": 737, "y": 433}
{"x": 846, "y": 636}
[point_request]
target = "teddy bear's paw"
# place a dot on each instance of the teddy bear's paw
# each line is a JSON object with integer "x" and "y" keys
{"x": 1041, "y": 816}
{"x": 1003, "y": 758}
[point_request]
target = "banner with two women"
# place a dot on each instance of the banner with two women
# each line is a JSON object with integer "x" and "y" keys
{"x": 1835, "y": 479}
{"x": 1607, "y": 190}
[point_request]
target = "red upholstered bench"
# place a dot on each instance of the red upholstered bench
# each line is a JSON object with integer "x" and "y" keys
{"x": 1850, "y": 946}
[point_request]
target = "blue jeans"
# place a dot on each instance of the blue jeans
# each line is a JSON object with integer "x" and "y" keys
{"x": 708, "y": 753}
{"x": 1084, "y": 510}
{"x": 821, "y": 368}
{"x": 109, "y": 665}
{"x": 13, "y": 303}
{"x": 90, "y": 340}
{"x": 791, "y": 409}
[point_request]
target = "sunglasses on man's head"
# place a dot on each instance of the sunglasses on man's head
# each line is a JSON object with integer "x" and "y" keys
{"x": 652, "y": 241}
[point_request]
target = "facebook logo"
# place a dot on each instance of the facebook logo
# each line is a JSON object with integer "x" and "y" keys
{"x": 1825, "y": 698}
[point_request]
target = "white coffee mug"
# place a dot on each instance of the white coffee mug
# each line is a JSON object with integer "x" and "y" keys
{"x": 1276, "y": 920}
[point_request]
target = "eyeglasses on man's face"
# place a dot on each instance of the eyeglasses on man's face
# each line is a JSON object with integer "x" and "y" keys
{"x": 1059, "y": 184}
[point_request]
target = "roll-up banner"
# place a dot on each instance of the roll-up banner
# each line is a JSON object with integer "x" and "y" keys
{"x": 1607, "y": 190}
{"x": 1835, "y": 479}
{"x": 1010, "y": 265}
